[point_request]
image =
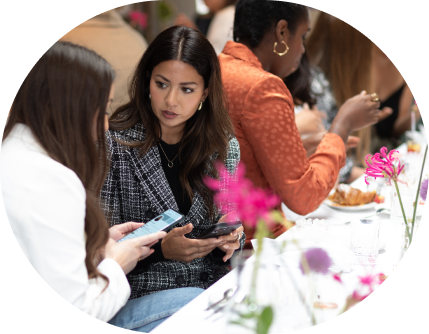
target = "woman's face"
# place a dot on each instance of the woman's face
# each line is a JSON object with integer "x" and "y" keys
{"x": 289, "y": 63}
{"x": 176, "y": 91}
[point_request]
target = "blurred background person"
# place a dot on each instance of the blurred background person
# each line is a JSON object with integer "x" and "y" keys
{"x": 342, "y": 60}
{"x": 116, "y": 41}
{"x": 216, "y": 25}
{"x": 394, "y": 93}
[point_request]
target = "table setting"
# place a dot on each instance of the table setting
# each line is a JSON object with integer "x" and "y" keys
{"x": 324, "y": 264}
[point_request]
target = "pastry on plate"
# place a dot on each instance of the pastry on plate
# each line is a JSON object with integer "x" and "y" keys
{"x": 348, "y": 196}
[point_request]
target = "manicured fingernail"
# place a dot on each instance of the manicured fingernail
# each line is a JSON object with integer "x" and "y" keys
{"x": 226, "y": 246}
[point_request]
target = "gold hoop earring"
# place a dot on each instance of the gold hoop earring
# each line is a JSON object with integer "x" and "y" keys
{"x": 200, "y": 106}
{"x": 282, "y": 53}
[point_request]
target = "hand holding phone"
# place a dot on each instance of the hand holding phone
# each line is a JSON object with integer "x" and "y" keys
{"x": 119, "y": 231}
{"x": 219, "y": 229}
{"x": 167, "y": 219}
{"x": 127, "y": 253}
{"x": 176, "y": 246}
{"x": 231, "y": 243}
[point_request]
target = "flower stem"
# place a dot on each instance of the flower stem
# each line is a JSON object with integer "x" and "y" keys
{"x": 261, "y": 232}
{"x": 307, "y": 306}
{"x": 402, "y": 208}
{"x": 417, "y": 195}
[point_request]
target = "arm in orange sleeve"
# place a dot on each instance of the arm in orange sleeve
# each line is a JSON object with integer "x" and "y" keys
{"x": 268, "y": 122}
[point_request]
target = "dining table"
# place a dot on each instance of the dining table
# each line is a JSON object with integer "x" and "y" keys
{"x": 290, "y": 313}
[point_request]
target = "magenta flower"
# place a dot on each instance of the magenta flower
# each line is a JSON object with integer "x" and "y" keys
{"x": 358, "y": 297}
{"x": 382, "y": 165}
{"x": 424, "y": 189}
{"x": 354, "y": 299}
{"x": 318, "y": 260}
{"x": 236, "y": 192}
{"x": 337, "y": 278}
{"x": 371, "y": 280}
{"x": 138, "y": 18}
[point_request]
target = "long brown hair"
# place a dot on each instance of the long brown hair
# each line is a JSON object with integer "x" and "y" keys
{"x": 207, "y": 132}
{"x": 344, "y": 56}
{"x": 58, "y": 101}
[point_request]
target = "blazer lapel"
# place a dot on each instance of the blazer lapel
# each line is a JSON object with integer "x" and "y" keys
{"x": 148, "y": 170}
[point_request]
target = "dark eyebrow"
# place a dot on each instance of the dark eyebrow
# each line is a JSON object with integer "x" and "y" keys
{"x": 182, "y": 83}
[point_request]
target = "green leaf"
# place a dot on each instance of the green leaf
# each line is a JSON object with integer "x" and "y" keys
{"x": 265, "y": 320}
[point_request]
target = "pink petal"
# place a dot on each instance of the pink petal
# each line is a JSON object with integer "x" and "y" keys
{"x": 212, "y": 183}
{"x": 383, "y": 152}
{"x": 337, "y": 278}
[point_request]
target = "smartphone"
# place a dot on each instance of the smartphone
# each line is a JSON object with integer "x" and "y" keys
{"x": 217, "y": 230}
{"x": 167, "y": 219}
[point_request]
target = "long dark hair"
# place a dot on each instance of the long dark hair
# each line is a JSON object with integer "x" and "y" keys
{"x": 344, "y": 55}
{"x": 58, "y": 101}
{"x": 207, "y": 132}
{"x": 254, "y": 18}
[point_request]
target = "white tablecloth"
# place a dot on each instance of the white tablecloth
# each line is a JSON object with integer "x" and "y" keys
{"x": 193, "y": 319}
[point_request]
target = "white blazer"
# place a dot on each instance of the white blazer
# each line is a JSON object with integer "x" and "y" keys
{"x": 45, "y": 204}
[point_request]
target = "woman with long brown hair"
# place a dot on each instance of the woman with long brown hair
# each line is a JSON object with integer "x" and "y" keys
{"x": 163, "y": 144}
{"x": 343, "y": 57}
{"x": 53, "y": 165}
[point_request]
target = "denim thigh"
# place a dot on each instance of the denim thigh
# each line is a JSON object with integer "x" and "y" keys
{"x": 145, "y": 313}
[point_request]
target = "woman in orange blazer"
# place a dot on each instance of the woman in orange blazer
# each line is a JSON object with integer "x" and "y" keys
{"x": 269, "y": 43}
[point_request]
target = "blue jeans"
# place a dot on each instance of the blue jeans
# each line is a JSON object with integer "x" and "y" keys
{"x": 145, "y": 313}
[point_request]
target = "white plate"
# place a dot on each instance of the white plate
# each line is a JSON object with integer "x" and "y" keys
{"x": 369, "y": 206}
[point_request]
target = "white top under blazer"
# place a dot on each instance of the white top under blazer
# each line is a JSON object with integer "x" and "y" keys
{"x": 45, "y": 204}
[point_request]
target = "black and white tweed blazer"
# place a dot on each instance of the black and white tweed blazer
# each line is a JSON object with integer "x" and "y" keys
{"x": 136, "y": 189}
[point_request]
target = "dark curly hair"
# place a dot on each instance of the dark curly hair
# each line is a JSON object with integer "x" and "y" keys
{"x": 254, "y": 18}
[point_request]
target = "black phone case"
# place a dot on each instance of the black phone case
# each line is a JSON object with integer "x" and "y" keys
{"x": 218, "y": 230}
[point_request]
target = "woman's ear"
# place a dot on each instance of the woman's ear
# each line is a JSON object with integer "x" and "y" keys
{"x": 205, "y": 94}
{"x": 282, "y": 31}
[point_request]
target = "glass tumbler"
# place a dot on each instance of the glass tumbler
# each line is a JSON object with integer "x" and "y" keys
{"x": 364, "y": 240}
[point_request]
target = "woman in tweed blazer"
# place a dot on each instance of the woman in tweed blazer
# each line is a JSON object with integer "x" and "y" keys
{"x": 163, "y": 143}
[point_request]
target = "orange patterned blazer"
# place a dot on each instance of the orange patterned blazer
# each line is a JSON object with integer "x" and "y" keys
{"x": 262, "y": 111}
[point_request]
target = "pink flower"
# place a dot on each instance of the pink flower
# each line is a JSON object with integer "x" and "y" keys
{"x": 382, "y": 165}
{"x": 337, "y": 278}
{"x": 370, "y": 280}
{"x": 138, "y": 18}
{"x": 354, "y": 299}
{"x": 358, "y": 297}
{"x": 251, "y": 204}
